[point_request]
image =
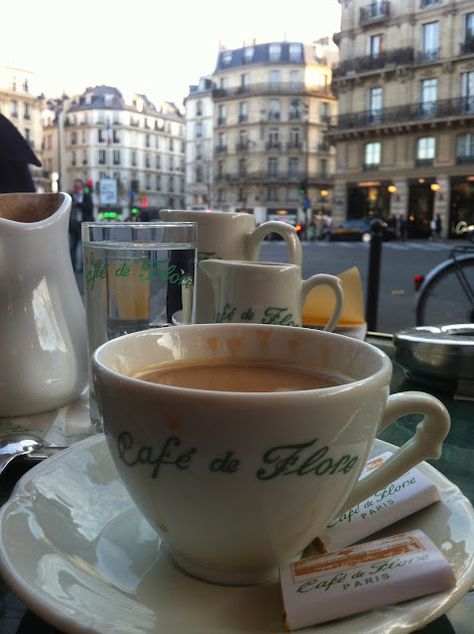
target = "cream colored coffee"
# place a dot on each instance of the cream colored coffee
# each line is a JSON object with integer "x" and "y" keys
{"x": 231, "y": 375}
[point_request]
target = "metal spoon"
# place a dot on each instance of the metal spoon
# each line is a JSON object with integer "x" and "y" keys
{"x": 15, "y": 445}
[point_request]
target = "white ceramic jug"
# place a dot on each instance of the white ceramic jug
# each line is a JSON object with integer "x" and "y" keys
{"x": 43, "y": 343}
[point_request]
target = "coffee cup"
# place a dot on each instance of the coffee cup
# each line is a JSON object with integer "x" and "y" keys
{"x": 229, "y": 236}
{"x": 240, "y": 442}
{"x": 265, "y": 292}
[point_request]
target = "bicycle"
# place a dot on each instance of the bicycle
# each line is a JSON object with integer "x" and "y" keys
{"x": 446, "y": 294}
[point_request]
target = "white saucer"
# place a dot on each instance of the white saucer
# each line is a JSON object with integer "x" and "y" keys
{"x": 76, "y": 550}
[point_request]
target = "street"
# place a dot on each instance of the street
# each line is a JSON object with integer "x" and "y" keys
{"x": 400, "y": 262}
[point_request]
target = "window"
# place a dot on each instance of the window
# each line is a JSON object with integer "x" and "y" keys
{"x": 295, "y": 52}
{"x": 73, "y": 138}
{"x": 294, "y": 137}
{"x": 116, "y": 118}
{"x": 226, "y": 58}
{"x": 242, "y": 140}
{"x": 171, "y": 163}
{"x": 158, "y": 161}
{"x": 272, "y": 193}
{"x": 374, "y": 105}
{"x": 430, "y": 40}
{"x": 115, "y": 136}
{"x": 198, "y": 129}
{"x": 222, "y": 113}
{"x": 469, "y": 30}
{"x": 220, "y": 169}
{"x": 244, "y": 80}
{"x": 147, "y": 160}
{"x": 467, "y": 91}
{"x": 248, "y": 54}
{"x": 465, "y": 149}
{"x": 273, "y": 138}
{"x": 116, "y": 157}
{"x": 158, "y": 182}
{"x": 100, "y": 136}
{"x": 375, "y": 46}
{"x": 108, "y": 100}
{"x": 223, "y": 83}
{"x": 73, "y": 158}
{"x": 101, "y": 157}
{"x": 274, "y": 52}
{"x": 133, "y": 158}
{"x": 273, "y": 110}
{"x": 275, "y": 78}
{"x": 14, "y": 109}
{"x": 324, "y": 112}
{"x": 198, "y": 108}
{"x": 323, "y": 166}
{"x": 242, "y": 167}
{"x": 241, "y": 195}
{"x": 171, "y": 184}
{"x": 429, "y": 95}
{"x": 198, "y": 151}
{"x": 221, "y": 195}
{"x": 295, "y": 78}
{"x": 372, "y": 155}
{"x": 294, "y": 110}
{"x": 292, "y": 193}
{"x": 147, "y": 181}
{"x": 221, "y": 141}
{"x": 199, "y": 178}
{"x": 243, "y": 111}
{"x": 425, "y": 150}
{"x": 293, "y": 167}
{"x": 171, "y": 145}
{"x": 84, "y": 157}
{"x": 272, "y": 167}
{"x": 26, "y": 111}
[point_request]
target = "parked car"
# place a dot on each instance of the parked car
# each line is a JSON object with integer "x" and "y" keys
{"x": 358, "y": 230}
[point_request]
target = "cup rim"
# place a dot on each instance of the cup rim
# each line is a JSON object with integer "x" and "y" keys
{"x": 381, "y": 375}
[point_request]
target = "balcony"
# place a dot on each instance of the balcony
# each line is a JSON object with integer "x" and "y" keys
{"x": 221, "y": 149}
{"x": 242, "y": 147}
{"x": 243, "y": 118}
{"x": 424, "y": 162}
{"x": 294, "y": 145}
{"x": 465, "y": 159}
{"x": 286, "y": 88}
{"x": 368, "y": 63}
{"x": 273, "y": 145}
{"x": 374, "y": 12}
{"x": 460, "y": 107}
{"x": 467, "y": 47}
{"x": 221, "y": 121}
{"x": 367, "y": 167}
{"x": 425, "y": 57}
{"x": 323, "y": 147}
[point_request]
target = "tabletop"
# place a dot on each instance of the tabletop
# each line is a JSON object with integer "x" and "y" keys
{"x": 456, "y": 463}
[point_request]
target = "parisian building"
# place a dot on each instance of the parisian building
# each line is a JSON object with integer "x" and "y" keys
{"x": 101, "y": 136}
{"x": 404, "y": 134}
{"x": 271, "y": 108}
{"x": 23, "y": 108}
{"x": 199, "y": 145}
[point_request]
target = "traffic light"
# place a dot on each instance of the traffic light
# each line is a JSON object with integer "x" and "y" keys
{"x": 89, "y": 188}
{"x": 303, "y": 188}
{"x": 133, "y": 211}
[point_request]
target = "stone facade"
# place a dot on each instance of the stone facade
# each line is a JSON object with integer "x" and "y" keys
{"x": 271, "y": 108}
{"x": 404, "y": 135}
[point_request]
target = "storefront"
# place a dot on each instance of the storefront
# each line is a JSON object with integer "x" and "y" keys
{"x": 368, "y": 199}
{"x": 461, "y": 211}
{"x": 421, "y": 199}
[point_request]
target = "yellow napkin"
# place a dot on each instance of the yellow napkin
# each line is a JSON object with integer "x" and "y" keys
{"x": 320, "y": 302}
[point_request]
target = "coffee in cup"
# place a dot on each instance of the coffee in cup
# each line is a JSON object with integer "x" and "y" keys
{"x": 239, "y": 483}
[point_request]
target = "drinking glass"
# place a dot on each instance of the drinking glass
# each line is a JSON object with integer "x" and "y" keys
{"x": 136, "y": 276}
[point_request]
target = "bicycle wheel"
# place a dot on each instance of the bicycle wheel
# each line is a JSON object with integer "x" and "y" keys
{"x": 448, "y": 296}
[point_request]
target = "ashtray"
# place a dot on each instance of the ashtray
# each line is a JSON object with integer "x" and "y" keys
{"x": 441, "y": 354}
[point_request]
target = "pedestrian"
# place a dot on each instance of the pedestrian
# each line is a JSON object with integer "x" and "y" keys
{"x": 403, "y": 228}
{"x": 15, "y": 156}
{"x": 82, "y": 210}
{"x": 438, "y": 226}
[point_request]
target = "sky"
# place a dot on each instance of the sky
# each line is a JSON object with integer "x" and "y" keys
{"x": 146, "y": 46}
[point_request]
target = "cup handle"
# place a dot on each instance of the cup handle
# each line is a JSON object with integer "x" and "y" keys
{"x": 286, "y": 231}
{"x": 322, "y": 279}
{"x": 427, "y": 442}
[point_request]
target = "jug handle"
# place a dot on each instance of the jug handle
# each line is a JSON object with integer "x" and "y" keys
{"x": 286, "y": 231}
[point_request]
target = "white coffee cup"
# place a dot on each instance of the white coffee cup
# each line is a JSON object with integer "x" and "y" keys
{"x": 265, "y": 292}
{"x": 239, "y": 483}
{"x": 229, "y": 236}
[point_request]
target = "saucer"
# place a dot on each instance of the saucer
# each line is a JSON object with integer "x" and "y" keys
{"x": 77, "y": 552}
{"x": 356, "y": 331}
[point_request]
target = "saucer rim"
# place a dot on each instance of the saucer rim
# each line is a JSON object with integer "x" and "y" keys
{"x": 56, "y": 614}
